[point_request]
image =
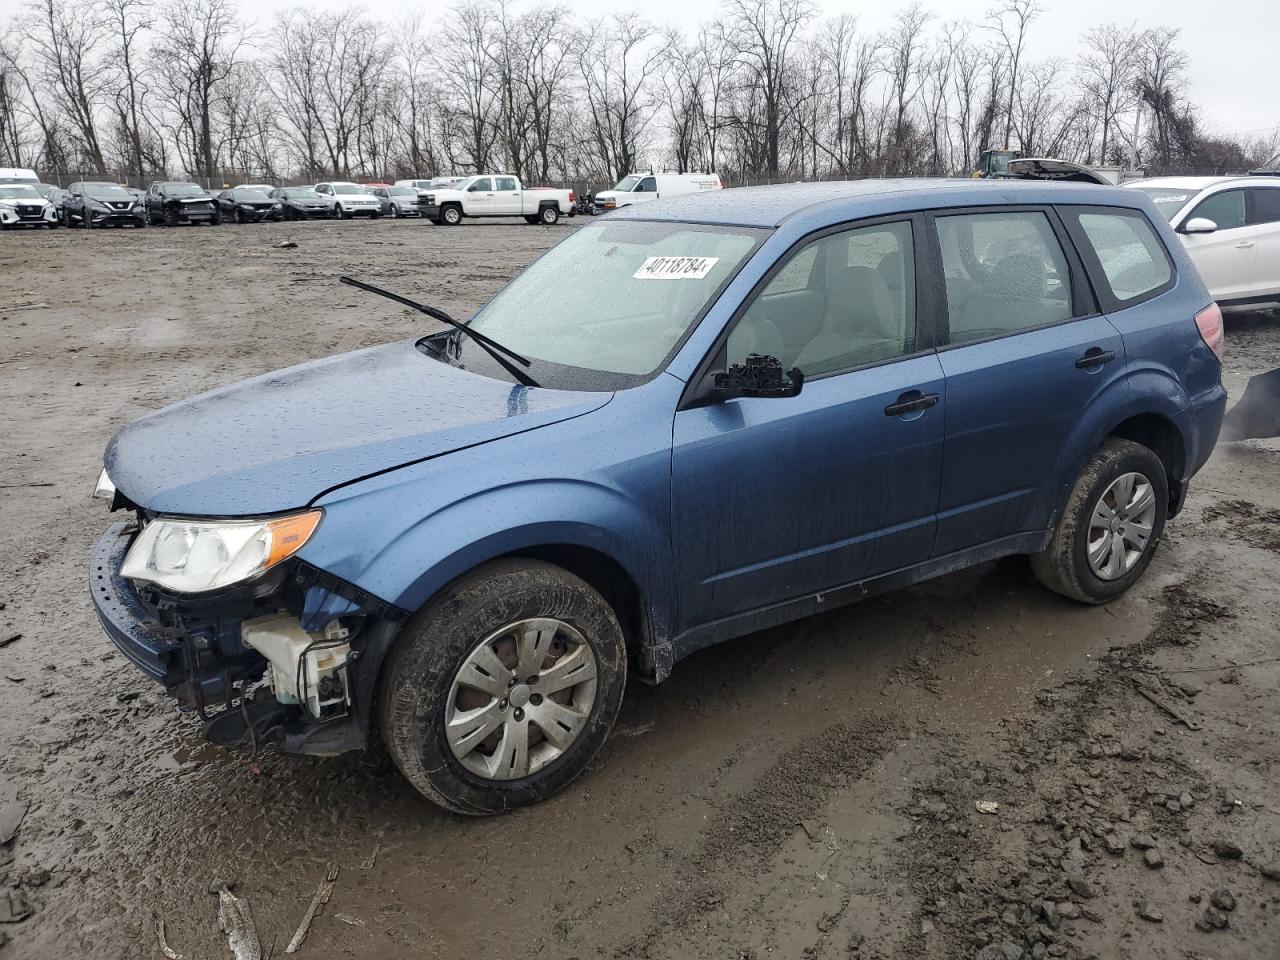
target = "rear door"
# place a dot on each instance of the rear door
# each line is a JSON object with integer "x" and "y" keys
{"x": 1226, "y": 257}
{"x": 1026, "y": 350}
{"x": 840, "y": 482}
{"x": 506, "y": 196}
{"x": 1263, "y": 213}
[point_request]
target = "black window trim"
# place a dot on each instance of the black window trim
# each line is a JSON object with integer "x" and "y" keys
{"x": 927, "y": 306}
{"x": 1098, "y": 277}
{"x": 1084, "y": 300}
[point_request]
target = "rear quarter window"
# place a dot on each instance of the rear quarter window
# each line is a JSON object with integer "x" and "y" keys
{"x": 1130, "y": 256}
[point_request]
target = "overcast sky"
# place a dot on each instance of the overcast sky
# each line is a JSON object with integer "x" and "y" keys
{"x": 1232, "y": 46}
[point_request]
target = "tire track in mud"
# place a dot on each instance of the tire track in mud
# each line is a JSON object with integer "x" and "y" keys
{"x": 752, "y": 826}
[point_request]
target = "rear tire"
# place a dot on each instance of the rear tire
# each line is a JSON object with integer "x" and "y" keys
{"x": 479, "y": 620}
{"x": 550, "y": 215}
{"x": 1120, "y": 498}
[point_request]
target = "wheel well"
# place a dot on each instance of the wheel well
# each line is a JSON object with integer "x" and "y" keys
{"x": 1159, "y": 435}
{"x": 608, "y": 578}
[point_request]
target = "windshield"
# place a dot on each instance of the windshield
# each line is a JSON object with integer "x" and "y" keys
{"x": 348, "y": 188}
{"x": 98, "y": 192}
{"x": 456, "y": 184}
{"x": 183, "y": 190}
{"x": 301, "y": 193}
{"x": 628, "y": 183}
{"x": 616, "y": 297}
{"x": 16, "y": 191}
{"x": 401, "y": 192}
{"x": 250, "y": 196}
{"x": 1168, "y": 200}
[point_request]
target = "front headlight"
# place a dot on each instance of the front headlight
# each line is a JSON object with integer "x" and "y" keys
{"x": 192, "y": 556}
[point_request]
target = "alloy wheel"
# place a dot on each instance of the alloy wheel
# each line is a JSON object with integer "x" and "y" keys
{"x": 521, "y": 699}
{"x": 1120, "y": 526}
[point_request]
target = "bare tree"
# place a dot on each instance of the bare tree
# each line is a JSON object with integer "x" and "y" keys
{"x": 764, "y": 33}
{"x": 128, "y": 21}
{"x": 1010, "y": 21}
{"x": 620, "y": 61}
{"x": 1108, "y": 71}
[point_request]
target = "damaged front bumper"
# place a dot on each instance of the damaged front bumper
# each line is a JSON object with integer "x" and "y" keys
{"x": 195, "y": 646}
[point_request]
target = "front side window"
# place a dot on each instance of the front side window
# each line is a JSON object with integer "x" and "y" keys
{"x": 1132, "y": 257}
{"x": 637, "y": 287}
{"x": 1004, "y": 273}
{"x": 1226, "y": 209}
{"x": 841, "y": 301}
{"x": 647, "y": 185}
{"x": 1264, "y": 205}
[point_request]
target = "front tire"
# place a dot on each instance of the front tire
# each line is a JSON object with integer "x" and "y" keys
{"x": 451, "y": 215}
{"x": 1111, "y": 525}
{"x": 503, "y": 689}
{"x": 171, "y": 218}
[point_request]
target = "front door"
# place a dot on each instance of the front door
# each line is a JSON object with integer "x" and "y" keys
{"x": 1226, "y": 257}
{"x": 782, "y": 497}
{"x": 479, "y": 198}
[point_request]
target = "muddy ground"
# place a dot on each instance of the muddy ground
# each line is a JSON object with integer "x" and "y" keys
{"x": 808, "y": 792}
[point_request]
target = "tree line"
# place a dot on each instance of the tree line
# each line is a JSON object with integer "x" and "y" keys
{"x": 768, "y": 90}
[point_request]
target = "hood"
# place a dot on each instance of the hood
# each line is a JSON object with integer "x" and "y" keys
{"x": 278, "y": 441}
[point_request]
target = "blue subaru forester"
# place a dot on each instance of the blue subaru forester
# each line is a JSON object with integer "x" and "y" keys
{"x": 689, "y": 420}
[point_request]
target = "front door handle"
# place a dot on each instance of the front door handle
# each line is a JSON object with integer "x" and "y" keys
{"x": 1095, "y": 357}
{"x": 911, "y": 402}
{"x": 1244, "y": 244}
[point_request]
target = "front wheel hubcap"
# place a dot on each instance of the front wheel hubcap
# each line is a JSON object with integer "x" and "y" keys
{"x": 497, "y": 727}
{"x": 1120, "y": 526}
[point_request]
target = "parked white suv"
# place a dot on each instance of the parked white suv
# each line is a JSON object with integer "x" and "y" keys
{"x": 1231, "y": 228}
{"x": 350, "y": 199}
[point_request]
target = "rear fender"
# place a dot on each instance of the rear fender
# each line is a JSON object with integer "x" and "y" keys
{"x": 1143, "y": 390}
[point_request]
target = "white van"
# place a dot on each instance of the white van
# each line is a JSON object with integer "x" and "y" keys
{"x": 642, "y": 187}
{"x": 18, "y": 175}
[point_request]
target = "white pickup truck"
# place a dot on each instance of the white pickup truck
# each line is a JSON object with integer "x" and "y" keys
{"x": 496, "y": 195}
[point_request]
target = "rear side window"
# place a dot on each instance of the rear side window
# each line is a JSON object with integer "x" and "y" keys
{"x": 1226, "y": 209}
{"x": 1132, "y": 258}
{"x": 1005, "y": 273}
{"x": 1264, "y": 205}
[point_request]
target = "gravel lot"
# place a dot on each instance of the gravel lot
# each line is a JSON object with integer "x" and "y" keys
{"x": 810, "y": 791}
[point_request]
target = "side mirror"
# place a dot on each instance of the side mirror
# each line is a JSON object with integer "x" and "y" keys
{"x": 1199, "y": 225}
{"x": 758, "y": 376}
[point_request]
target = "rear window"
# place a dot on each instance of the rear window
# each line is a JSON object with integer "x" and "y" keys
{"x": 1265, "y": 205}
{"x": 1133, "y": 260}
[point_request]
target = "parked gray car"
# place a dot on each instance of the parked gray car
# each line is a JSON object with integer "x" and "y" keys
{"x": 399, "y": 201}
{"x": 98, "y": 203}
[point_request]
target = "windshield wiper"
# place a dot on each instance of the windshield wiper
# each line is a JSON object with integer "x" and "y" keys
{"x": 488, "y": 344}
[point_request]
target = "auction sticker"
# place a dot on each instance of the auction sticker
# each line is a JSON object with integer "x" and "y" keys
{"x": 675, "y": 268}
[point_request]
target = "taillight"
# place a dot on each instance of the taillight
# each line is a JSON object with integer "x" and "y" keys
{"x": 571, "y": 197}
{"x": 1209, "y": 323}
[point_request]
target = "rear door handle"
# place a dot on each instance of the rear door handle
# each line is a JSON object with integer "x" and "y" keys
{"x": 1244, "y": 244}
{"x": 910, "y": 402}
{"x": 1095, "y": 357}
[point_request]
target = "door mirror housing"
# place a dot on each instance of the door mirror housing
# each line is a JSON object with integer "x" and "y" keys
{"x": 759, "y": 375}
{"x": 1199, "y": 225}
